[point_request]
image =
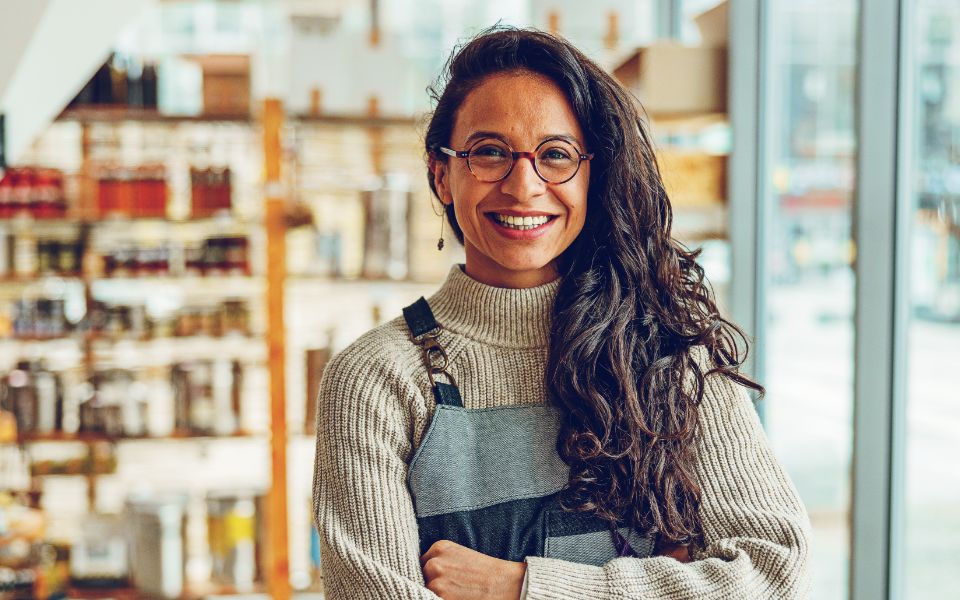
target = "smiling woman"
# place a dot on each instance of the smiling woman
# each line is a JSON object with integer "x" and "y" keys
{"x": 565, "y": 416}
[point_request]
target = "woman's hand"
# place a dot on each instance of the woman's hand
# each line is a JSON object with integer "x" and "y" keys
{"x": 679, "y": 552}
{"x": 455, "y": 572}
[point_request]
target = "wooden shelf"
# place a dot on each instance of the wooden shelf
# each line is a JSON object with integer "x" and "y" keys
{"x": 119, "y": 114}
{"x": 92, "y": 437}
{"x": 132, "y": 593}
{"x": 39, "y": 278}
{"x": 225, "y": 284}
{"x": 685, "y": 122}
{"x": 353, "y": 120}
{"x": 308, "y": 278}
{"x": 116, "y": 220}
{"x": 230, "y": 338}
{"x": 79, "y": 338}
{"x": 106, "y": 340}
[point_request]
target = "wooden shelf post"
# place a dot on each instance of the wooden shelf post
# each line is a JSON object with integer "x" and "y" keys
{"x": 278, "y": 574}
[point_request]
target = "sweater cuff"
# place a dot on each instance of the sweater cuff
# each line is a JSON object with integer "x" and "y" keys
{"x": 554, "y": 579}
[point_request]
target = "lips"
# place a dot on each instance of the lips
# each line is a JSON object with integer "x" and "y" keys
{"x": 520, "y": 234}
{"x": 518, "y": 213}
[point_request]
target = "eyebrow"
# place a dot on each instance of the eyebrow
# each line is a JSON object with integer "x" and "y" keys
{"x": 477, "y": 135}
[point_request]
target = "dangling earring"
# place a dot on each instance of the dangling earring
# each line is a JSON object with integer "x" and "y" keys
{"x": 440, "y": 243}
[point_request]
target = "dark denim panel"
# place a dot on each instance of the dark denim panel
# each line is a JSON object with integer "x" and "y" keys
{"x": 510, "y": 530}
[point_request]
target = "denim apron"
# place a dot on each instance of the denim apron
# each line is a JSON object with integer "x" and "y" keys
{"x": 489, "y": 479}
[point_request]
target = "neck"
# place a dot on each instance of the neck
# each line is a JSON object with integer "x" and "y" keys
{"x": 481, "y": 268}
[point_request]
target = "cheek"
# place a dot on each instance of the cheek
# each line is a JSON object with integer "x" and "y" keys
{"x": 577, "y": 206}
{"x": 466, "y": 191}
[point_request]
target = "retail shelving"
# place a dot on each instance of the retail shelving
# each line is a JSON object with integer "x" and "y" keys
{"x": 288, "y": 155}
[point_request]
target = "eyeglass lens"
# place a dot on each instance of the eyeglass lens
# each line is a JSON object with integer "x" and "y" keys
{"x": 555, "y": 160}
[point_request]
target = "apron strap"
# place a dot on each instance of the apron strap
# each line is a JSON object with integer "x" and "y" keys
{"x": 424, "y": 330}
{"x": 420, "y": 318}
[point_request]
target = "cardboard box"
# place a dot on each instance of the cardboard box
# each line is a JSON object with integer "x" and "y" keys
{"x": 670, "y": 78}
{"x": 226, "y": 84}
{"x": 714, "y": 25}
{"x": 693, "y": 179}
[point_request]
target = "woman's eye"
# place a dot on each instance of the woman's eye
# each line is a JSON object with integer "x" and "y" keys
{"x": 555, "y": 154}
{"x": 490, "y": 152}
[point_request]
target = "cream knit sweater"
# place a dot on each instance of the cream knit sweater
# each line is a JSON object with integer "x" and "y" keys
{"x": 375, "y": 405}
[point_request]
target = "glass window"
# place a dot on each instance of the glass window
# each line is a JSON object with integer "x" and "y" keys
{"x": 806, "y": 263}
{"x": 932, "y": 536}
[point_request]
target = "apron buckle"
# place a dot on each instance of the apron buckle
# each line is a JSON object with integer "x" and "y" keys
{"x": 434, "y": 354}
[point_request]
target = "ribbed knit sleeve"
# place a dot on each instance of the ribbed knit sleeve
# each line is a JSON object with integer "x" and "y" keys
{"x": 756, "y": 530}
{"x": 369, "y": 544}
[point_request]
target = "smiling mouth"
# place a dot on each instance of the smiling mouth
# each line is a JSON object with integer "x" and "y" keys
{"x": 520, "y": 223}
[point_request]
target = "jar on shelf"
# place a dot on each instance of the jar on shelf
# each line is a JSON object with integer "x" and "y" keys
{"x": 156, "y": 525}
{"x": 236, "y": 317}
{"x": 232, "y": 526}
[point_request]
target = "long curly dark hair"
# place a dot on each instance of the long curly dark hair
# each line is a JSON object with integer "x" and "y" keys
{"x": 631, "y": 307}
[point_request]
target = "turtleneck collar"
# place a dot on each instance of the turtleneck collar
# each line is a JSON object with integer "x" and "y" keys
{"x": 501, "y": 316}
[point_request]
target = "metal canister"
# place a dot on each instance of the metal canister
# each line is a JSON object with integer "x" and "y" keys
{"x": 157, "y": 529}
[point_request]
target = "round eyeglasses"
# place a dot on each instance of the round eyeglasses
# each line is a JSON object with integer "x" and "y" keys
{"x": 555, "y": 160}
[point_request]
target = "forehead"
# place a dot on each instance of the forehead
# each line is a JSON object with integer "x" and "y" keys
{"x": 523, "y": 107}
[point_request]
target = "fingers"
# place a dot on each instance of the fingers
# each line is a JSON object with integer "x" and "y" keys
{"x": 677, "y": 552}
{"x": 436, "y": 548}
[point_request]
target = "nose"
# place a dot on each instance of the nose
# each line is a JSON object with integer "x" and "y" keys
{"x": 523, "y": 181}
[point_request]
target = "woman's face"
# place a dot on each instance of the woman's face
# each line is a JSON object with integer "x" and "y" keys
{"x": 522, "y": 109}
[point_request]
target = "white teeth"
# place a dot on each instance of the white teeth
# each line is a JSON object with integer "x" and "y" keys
{"x": 521, "y": 223}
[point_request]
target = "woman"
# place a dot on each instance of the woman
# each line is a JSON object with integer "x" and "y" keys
{"x": 564, "y": 417}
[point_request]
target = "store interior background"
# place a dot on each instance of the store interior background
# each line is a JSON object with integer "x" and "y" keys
{"x": 179, "y": 175}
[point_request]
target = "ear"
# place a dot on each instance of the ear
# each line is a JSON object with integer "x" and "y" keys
{"x": 441, "y": 181}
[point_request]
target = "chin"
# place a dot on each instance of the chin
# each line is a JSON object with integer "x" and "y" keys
{"x": 525, "y": 264}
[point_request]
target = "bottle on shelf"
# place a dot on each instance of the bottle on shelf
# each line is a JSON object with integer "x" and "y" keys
{"x": 134, "y": 82}
{"x": 118, "y": 80}
{"x": 34, "y": 395}
{"x": 207, "y": 396}
{"x": 33, "y": 192}
{"x": 25, "y": 259}
{"x": 149, "y": 84}
{"x": 210, "y": 191}
{"x": 103, "y": 84}
{"x": 139, "y": 192}
{"x": 233, "y": 522}
{"x": 122, "y": 80}
{"x": 20, "y": 397}
{"x": 48, "y": 391}
{"x": 100, "y": 413}
{"x": 386, "y": 229}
